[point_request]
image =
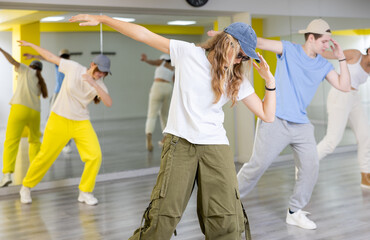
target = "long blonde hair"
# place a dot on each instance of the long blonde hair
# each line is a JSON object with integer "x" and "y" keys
{"x": 224, "y": 72}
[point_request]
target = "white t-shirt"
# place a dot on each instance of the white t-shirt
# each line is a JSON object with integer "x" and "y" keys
{"x": 75, "y": 93}
{"x": 192, "y": 114}
{"x": 28, "y": 91}
{"x": 163, "y": 73}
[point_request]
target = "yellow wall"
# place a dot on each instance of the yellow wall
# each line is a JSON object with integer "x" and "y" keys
{"x": 159, "y": 29}
{"x": 29, "y": 32}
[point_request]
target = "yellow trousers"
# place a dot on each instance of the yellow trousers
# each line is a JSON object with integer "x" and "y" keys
{"x": 20, "y": 117}
{"x": 58, "y": 132}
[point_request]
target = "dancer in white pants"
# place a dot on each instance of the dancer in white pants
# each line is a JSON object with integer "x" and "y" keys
{"x": 343, "y": 107}
{"x": 160, "y": 95}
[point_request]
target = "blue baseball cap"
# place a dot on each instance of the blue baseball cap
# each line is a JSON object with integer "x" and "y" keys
{"x": 246, "y": 37}
{"x": 103, "y": 63}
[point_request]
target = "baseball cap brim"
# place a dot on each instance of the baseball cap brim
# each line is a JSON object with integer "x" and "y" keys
{"x": 104, "y": 69}
{"x": 250, "y": 52}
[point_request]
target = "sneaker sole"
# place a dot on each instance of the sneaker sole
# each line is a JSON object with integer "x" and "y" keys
{"x": 83, "y": 201}
{"x": 296, "y": 224}
{"x": 365, "y": 186}
{"x": 26, "y": 202}
{"x": 6, "y": 184}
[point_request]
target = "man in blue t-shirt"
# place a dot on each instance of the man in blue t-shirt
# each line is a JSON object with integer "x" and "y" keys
{"x": 300, "y": 70}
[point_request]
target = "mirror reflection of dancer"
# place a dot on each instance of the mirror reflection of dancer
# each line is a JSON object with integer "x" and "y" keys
{"x": 24, "y": 112}
{"x": 196, "y": 149}
{"x": 160, "y": 95}
{"x": 300, "y": 70}
{"x": 347, "y": 106}
{"x": 59, "y": 76}
{"x": 69, "y": 119}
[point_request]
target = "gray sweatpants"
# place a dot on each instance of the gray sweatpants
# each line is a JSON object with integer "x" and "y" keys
{"x": 270, "y": 140}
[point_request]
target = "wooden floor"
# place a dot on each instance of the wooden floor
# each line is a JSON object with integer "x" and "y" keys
{"x": 339, "y": 206}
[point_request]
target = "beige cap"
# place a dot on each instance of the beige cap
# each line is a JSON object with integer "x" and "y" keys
{"x": 63, "y": 51}
{"x": 318, "y": 26}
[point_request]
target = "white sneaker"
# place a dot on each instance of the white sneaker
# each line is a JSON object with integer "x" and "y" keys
{"x": 6, "y": 180}
{"x": 299, "y": 219}
{"x": 88, "y": 198}
{"x": 25, "y": 193}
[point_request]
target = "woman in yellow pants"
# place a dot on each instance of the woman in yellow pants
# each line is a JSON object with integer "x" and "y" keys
{"x": 69, "y": 119}
{"x": 24, "y": 112}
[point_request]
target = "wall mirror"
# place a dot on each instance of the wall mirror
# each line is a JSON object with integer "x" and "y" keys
{"x": 121, "y": 128}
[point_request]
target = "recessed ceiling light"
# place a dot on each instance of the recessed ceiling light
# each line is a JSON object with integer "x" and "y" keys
{"x": 181, "y": 22}
{"x": 52, "y": 19}
{"x": 125, "y": 19}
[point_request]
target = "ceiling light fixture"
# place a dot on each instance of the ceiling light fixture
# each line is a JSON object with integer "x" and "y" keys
{"x": 181, "y": 22}
{"x": 125, "y": 19}
{"x": 52, "y": 19}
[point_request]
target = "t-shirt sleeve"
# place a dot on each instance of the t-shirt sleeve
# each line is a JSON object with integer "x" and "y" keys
{"x": 22, "y": 69}
{"x": 245, "y": 89}
{"x": 178, "y": 49}
{"x": 286, "y": 46}
{"x": 66, "y": 66}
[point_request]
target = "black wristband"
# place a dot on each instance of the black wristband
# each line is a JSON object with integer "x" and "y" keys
{"x": 341, "y": 60}
{"x": 270, "y": 89}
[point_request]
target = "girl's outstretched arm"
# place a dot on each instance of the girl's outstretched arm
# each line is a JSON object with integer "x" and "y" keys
{"x": 10, "y": 58}
{"x": 45, "y": 54}
{"x": 131, "y": 30}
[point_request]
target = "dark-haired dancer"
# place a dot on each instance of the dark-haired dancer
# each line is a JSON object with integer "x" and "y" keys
{"x": 347, "y": 107}
{"x": 159, "y": 96}
{"x": 24, "y": 112}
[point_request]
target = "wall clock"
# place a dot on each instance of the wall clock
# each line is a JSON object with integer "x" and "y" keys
{"x": 197, "y": 3}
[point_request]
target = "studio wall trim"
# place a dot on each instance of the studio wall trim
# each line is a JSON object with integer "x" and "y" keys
{"x": 159, "y": 29}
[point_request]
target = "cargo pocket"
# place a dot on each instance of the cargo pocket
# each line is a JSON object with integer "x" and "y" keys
{"x": 167, "y": 156}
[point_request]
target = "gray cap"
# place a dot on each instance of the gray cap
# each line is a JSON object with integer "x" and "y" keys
{"x": 37, "y": 64}
{"x": 103, "y": 63}
{"x": 246, "y": 37}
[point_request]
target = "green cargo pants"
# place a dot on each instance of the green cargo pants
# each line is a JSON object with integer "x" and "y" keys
{"x": 219, "y": 209}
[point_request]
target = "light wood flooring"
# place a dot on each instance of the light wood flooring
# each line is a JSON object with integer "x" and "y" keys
{"x": 339, "y": 206}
